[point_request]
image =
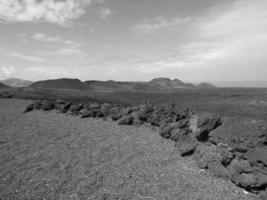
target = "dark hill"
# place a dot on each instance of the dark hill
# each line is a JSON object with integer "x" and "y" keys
{"x": 206, "y": 85}
{"x": 116, "y": 85}
{"x": 63, "y": 83}
{"x": 3, "y": 86}
{"x": 166, "y": 83}
{"x": 15, "y": 82}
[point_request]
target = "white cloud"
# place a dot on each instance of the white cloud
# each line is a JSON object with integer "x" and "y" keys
{"x": 52, "y": 11}
{"x": 6, "y": 71}
{"x": 228, "y": 41}
{"x": 161, "y": 23}
{"x": 53, "y": 39}
{"x": 26, "y": 57}
{"x": 104, "y": 13}
{"x": 14, "y": 54}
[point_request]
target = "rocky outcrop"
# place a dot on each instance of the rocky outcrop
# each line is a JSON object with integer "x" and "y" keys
{"x": 6, "y": 95}
{"x": 209, "y": 139}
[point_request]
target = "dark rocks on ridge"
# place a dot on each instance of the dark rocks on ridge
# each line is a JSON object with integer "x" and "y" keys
{"x": 216, "y": 144}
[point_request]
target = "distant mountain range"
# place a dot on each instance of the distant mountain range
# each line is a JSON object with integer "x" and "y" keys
{"x": 155, "y": 84}
{"x": 15, "y": 82}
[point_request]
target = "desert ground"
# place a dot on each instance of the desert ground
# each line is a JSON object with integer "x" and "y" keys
{"x": 46, "y": 155}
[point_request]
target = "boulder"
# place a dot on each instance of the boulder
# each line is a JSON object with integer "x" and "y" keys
{"x": 186, "y": 145}
{"x": 94, "y": 105}
{"x": 38, "y": 104}
{"x": 258, "y": 156}
{"x": 174, "y": 130}
{"x": 6, "y": 95}
{"x": 63, "y": 108}
{"x": 218, "y": 170}
{"x": 203, "y": 124}
{"x": 115, "y": 113}
{"x": 215, "y": 158}
{"x": 246, "y": 180}
{"x": 29, "y": 108}
{"x": 47, "y": 105}
{"x": 94, "y": 113}
{"x": 105, "y": 109}
{"x": 126, "y": 120}
{"x": 240, "y": 134}
{"x": 75, "y": 109}
{"x": 238, "y": 166}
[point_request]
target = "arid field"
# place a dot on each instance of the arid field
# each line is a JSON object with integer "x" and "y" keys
{"x": 46, "y": 155}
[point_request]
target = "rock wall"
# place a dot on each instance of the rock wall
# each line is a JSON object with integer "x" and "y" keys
{"x": 240, "y": 157}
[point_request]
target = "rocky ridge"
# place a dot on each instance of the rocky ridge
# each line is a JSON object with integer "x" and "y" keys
{"x": 239, "y": 159}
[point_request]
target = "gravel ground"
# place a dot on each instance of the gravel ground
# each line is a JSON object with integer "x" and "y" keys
{"x": 45, "y": 155}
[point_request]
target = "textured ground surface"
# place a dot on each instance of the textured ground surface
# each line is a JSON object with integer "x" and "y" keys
{"x": 45, "y": 155}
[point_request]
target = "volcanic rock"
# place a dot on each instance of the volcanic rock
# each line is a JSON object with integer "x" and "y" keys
{"x": 75, "y": 109}
{"x": 47, "y": 105}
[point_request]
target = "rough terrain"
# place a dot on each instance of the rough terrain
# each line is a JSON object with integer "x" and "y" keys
{"x": 46, "y": 155}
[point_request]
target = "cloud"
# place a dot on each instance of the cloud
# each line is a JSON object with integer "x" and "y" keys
{"x": 6, "y": 71}
{"x": 52, "y": 11}
{"x": 53, "y": 39}
{"x": 227, "y": 41}
{"x": 14, "y": 54}
{"x": 160, "y": 23}
{"x": 26, "y": 57}
{"x": 104, "y": 13}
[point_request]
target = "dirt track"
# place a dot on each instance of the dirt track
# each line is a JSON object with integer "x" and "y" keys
{"x": 45, "y": 155}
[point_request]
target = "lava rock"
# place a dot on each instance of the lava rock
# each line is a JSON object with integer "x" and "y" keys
{"x": 29, "y": 108}
{"x": 257, "y": 156}
{"x": 174, "y": 130}
{"x": 38, "y": 105}
{"x": 75, "y": 109}
{"x": 6, "y": 95}
{"x": 47, "y": 105}
{"x": 63, "y": 108}
{"x": 214, "y": 157}
{"x": 105, "y": 109}
{"x": 115, "y": 113}
{"x": 203, "y": 124}
{"x": 186, "y": 145}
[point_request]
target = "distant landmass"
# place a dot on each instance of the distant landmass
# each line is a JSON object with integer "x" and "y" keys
{"x": 63, "y": 83}
{"x": 16, "y": 82}
{"x": 205, "y": 85}
{"x": 3, "y": 86}
{"x": 155, "y": 84}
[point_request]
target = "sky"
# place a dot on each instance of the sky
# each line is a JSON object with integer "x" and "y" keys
{"x": 134, "y": 40}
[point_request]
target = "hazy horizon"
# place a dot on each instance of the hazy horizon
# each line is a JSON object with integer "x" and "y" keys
{"x": 223, "y": 42}
{"x": 244, "y": 84}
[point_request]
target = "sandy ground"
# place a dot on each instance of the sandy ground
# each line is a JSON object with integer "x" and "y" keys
{"x": 45, "y": 155}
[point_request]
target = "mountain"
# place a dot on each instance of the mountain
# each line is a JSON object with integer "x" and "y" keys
{"x": 117, "y": 85}
{"x": 15, "y": 82}
{"x": 166, "y": 83}
{"x": 109, "y": 86}
{"x": 63, "y": 83}
{"x": 3, "y": 86}
{"x": 205, "y": 85}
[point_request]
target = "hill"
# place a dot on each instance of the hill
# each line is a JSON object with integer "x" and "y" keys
{"x": 206, "y": 85}
{"x": 155, "y": 84}
{"x": 15, "y": 82}
{"x": 63, "y": 83}
{"x": 118, "y": 86}
{"x": 3, "y": 86}
{"x": 166, "y": 83}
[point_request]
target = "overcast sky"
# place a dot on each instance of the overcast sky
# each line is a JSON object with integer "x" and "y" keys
{"x": 135, "y": 40}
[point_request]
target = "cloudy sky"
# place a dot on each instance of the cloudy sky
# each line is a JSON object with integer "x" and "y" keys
{"x": 136, "y": 40}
